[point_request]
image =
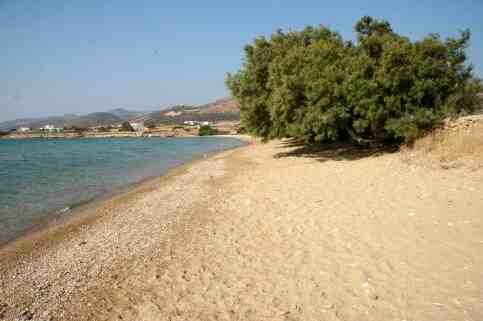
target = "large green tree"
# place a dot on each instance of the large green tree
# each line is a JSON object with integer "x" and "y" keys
{"x": 313, "y": 85}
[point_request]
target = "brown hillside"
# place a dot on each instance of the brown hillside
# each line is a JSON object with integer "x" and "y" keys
{"x": 220, "y": 110}
{"x": 220, "y": 106}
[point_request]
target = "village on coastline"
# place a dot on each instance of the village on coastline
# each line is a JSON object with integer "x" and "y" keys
{"x": 126, "y": 129}
{"x": 218, "y": 118}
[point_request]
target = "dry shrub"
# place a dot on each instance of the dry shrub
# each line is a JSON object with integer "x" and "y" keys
{"x": 460, "y": 140}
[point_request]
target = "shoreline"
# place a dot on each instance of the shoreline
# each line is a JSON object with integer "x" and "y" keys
{"x": 105, "y": 136}
{"x": 261, "y": 232}
{"x": 57, "y": 218}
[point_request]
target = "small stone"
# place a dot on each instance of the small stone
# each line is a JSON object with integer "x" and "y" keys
{"x": 26, "y": 315}
{"x": 3, "y": 310}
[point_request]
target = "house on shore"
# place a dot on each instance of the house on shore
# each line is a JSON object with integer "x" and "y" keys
{"x": 51, "y": 129}
{"x": 196, "y": 123}
{"x": 23, "y": 129}
{"x": 138, "y": 127}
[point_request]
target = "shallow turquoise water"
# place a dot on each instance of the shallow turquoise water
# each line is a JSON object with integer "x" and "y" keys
{"x": 41, "y": 177}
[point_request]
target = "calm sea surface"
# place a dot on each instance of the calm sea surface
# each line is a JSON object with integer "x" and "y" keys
{"x": 41, "y": 177}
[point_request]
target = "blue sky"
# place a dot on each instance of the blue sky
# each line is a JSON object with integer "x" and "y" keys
{"x": 81, "y": 56}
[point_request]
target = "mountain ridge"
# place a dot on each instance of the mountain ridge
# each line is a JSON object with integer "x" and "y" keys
{"x": 218, "y": 110}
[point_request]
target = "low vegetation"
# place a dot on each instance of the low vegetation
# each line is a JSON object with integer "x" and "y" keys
{"x": 126, "y": 127}
{"x": 207, "y": 130}
{"x": 384, "y": 88}
{"x": 455, "y": 140}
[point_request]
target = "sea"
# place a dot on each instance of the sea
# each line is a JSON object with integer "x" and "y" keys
{"x": 43, "y": 178}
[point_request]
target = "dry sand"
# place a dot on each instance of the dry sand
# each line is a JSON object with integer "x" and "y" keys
{"x": 263, "y": 232}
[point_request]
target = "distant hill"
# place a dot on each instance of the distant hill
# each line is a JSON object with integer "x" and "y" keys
{"x": 112, "y": 117}
{"x": 94, "y": 119}
{"x": 13, "y": 124}
{"x": 125, "y": 114}
{"x": 220, "y": 110}
{"x": 57, "y": 121}
{"x": 226, "y": 105}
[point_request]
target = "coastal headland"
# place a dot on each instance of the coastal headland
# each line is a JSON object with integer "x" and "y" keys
{"x": 264, "y": 232}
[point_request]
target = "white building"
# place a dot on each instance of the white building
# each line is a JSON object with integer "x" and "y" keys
{"x": 50, "y": 128}
{"x": 139, "y": 127}
{"x": 23, "y": 129}
{"x": 47, "y": 128}
{"x": 196, "y": 123}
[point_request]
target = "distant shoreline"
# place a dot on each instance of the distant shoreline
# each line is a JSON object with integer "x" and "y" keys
{"x": 88, "y": 135}
{"x": 92, "y": 134}
{"x": 97, "y": 135}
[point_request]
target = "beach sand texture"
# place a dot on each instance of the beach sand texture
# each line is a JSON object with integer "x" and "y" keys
{"x": 263, "y": 233}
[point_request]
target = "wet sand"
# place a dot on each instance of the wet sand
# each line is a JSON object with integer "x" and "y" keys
{"x": 263, "y": 232}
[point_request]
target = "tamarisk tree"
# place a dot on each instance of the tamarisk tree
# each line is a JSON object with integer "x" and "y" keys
{"x": 314, "y": 86}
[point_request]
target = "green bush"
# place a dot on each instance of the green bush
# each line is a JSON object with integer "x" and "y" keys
{"x": 207, "y": 130}
{"x": 126, "y": 127}
{"x": 314, "y": 86}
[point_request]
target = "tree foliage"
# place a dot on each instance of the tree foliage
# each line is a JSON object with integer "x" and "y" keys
{"x": 313, "y": 85}
{"x": 207, "y": 130}
{"x": 126, "y": 127}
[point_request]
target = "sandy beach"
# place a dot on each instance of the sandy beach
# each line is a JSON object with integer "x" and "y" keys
{"x": 263, "y": 232}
